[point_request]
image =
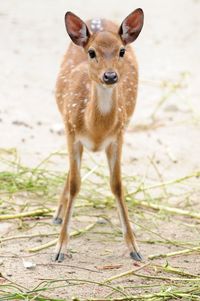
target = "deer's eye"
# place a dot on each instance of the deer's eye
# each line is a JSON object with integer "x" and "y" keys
{"x": 92, "y": 53}
{"x": 122, "y": 52}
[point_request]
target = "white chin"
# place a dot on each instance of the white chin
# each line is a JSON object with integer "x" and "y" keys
{"x": 109, "y": 85}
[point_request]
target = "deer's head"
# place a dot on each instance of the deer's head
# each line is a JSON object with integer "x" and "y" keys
{"x": 105, "y": 49}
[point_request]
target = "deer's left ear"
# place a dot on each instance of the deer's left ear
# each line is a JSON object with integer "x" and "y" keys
{"x": 77, "y": 29}
{"x": 131, "y": 26}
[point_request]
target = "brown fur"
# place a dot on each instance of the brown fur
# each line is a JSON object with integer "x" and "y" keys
{"x": 77, "y": 99}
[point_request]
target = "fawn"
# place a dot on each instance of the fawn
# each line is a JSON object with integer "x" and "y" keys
{"x": 96, "y": 94}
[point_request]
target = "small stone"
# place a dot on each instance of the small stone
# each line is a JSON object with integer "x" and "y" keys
{"x": 29, "y": 264}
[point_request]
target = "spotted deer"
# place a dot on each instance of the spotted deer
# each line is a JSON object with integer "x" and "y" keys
{"x": 96, "y": 94}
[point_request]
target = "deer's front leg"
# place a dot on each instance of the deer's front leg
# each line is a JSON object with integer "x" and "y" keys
{"x": 73, "y": 187}
{"x": 114, "y": 160}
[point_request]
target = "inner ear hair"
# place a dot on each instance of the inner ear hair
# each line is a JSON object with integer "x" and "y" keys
{"x": 76, "y": 29}
{"x": 131, "y": 26}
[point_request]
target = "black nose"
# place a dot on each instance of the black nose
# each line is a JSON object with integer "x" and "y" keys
{"x": 110, "y": 77}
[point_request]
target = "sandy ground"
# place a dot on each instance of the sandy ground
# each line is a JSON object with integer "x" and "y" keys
{"x": 165, "y": 128}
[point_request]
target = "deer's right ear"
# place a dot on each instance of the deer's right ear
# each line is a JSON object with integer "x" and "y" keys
{"x": 76, "y": 29}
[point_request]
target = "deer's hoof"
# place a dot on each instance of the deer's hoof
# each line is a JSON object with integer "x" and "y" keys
{"x": 59, "y": 257}
{"x": 136, "y": 256}
{"x": 57, "y": 220}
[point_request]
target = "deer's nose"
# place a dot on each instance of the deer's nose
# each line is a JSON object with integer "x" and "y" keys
{"x": 110, "y": 77}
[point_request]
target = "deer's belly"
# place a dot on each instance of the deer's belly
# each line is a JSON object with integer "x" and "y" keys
{"x": 93, "y": 145}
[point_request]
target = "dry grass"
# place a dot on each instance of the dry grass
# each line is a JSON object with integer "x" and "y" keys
{"x": 42, "y": 186}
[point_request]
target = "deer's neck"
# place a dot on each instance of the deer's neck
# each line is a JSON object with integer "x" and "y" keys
{"x": 102, "y": 107}
{"x": 104, "y": 99}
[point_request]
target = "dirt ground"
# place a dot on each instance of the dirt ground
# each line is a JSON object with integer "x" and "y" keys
{"x": 161, "y": 148}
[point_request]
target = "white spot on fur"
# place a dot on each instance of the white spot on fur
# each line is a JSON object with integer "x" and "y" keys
{"x": 93, "y": 26}
{"x": 104, "y": 99}
{"x": 96, "y": 21}
{"x": 96, "y": 25}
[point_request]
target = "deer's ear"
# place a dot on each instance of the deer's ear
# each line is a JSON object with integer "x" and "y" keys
{"x": 131, "y": 26}
{"x": 76, "y": 29}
